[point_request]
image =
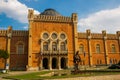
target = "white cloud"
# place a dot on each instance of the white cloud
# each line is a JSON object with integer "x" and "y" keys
{"x": 26, "y": 27}
{"x": 14, "y": 9}
{"x": 108, "y": 20}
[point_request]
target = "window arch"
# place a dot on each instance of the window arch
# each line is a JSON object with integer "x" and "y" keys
{"x": 98, "y": 48}
{"x": 62, "y": 46}
{"x": 81, "y": 48}
{"x": 20, "y": 48}
{"x": 45, "y": 46}
{"x": 113, "y": 50}
{"x": 54, "y": 46}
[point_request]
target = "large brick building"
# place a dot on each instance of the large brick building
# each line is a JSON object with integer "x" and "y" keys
{"x": 52, "y": 40}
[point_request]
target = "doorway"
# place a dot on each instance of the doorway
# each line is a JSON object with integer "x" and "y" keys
{"x": 45, "y": 63}
{"x": 63, "y": 63}
{"x": 54, "y": 63}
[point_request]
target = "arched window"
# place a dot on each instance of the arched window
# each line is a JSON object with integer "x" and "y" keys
{"x": 54, "y": 46}
{"x": 20, "y": 48}
{"x": 62, "y": 46}
{"x": 97, "y": 48}
{"x": 81, "y": 48}
{"x": 45, "y": 46}
{"x": 113, "y": 50}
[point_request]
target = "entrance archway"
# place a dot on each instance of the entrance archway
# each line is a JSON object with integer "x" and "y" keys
{"x": 45, "y": 63}
{"x": 54, "y": 63}
{"x": 63, "y": 63}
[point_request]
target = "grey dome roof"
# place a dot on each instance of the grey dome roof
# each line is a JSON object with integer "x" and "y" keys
{"x": 50, "y": 12}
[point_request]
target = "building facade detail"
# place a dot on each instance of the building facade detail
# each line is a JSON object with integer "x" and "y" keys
{"x": 51, "y": 42}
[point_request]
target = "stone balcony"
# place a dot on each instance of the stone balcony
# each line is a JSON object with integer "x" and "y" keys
{"x": 49, "y": 52}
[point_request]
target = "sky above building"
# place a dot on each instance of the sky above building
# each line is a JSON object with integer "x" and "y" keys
{"x": 96, "y": 15}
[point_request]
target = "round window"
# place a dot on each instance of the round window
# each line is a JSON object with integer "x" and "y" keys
{"x": 54, "y": 36}
{"x": 62, "y": 36}
{"x": 45, "y": 35}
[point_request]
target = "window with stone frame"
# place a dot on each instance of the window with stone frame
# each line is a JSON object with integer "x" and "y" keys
{"x": 98, "y": 48}
{"x": 20, "y": 48}
{"x": 62, "y": 36}
{"x": 62, "y": 46}
{"x": 54, "y": 36}
{"x": 45, "y": 36}
{"x": 113, "y": 50}
{"x": 54, "y": 46}
{"x": 45, "y": 46}
{"x": 81, "y": 48}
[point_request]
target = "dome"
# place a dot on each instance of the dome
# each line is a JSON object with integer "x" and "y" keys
{"x": 50, "y": 12}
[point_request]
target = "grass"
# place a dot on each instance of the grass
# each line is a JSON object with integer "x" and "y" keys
{"x": 0, "y": 73}
{"x": 36, "y": 75}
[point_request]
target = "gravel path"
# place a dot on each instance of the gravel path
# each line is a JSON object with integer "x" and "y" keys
{"x": 106, "y": 77}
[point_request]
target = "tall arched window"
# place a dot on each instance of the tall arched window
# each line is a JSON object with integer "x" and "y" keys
{"x": 81, "y": 48}
{"x": 20, "y": 48}
{"x": 62, "y": 46}
{"x": 113, "y": 50}
{"x": 45, "y": 46}
{"x": 97, "y": 48}
{"x": 54, "y": 46}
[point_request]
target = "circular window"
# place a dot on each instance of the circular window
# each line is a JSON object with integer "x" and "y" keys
{"x": 45, "y": 35}
{"x": 54, "y": 36}
{"x": 62, "y": 36}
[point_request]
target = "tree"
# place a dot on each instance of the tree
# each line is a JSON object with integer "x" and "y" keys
{"x": 4, "y": 54}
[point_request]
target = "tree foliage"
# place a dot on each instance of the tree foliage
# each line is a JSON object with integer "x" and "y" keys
{"x": 4, "y": 54}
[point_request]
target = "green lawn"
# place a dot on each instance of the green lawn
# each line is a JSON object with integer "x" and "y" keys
{"x": 36, "y": 75}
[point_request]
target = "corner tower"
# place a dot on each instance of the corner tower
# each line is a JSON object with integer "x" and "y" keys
{"x": 52, "y": 40}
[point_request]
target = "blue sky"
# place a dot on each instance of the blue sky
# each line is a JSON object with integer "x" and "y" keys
{"x": 96, "y": 15}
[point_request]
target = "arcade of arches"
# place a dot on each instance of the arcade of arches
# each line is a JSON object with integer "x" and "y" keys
{"x": 55, "y": 63}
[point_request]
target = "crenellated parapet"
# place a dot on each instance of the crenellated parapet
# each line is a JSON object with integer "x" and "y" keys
{"x": 14, "y": 33}
{"x": 3, "y": 32}
{"x": 50, "y": 18}
{"x": 19, "y": 33}
{"x": 102, "y": 35}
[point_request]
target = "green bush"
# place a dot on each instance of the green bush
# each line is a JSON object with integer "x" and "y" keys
{"x": 4, "y": 54}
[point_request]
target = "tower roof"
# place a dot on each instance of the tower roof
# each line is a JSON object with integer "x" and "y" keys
{"x": 50, "y": 12}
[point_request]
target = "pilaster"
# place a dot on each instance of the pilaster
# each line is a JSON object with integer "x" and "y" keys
{"x": 89, "y": 46}
{"x": 118, "y": 35}
{"x": 75, "y": 34}
{"x": 105, "y": 47}
{"x": 9, "y": 36}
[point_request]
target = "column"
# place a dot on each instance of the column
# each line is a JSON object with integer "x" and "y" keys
{"x": 59, "y": 63}
{"x": 50, "y": 63}
{"x": 41, "y": 63}
{"x": 41, "y": 54}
